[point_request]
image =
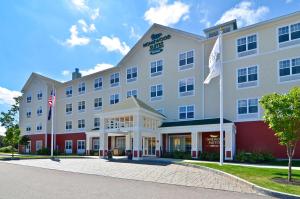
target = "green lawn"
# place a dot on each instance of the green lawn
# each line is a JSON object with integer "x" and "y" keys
{"x": 258, "y": 176}
{"x": 39, "y": 157}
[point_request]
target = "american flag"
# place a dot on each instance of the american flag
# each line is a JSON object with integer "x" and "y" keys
{"x": 51, "y": 102}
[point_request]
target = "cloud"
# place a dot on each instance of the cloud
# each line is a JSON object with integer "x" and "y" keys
{"x": 94, "y": 13}
{"x": 114, "y": 44}
{"x": 82, "y": 5}
{"x": 2, "y": 130}
{"x": 97, "y": 68}
{"x": 7, "y": 96}
{"x": 85, "y": 27}
{"x": 245, "y": 13}
{"x": 75, "y": 40}
{"x": 66, "y": 72}
{"x": 167, "y": 14}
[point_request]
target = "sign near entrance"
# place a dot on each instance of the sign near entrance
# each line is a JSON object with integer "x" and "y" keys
{"x": 212, "y": 141}
{"x": 156, "y": 44}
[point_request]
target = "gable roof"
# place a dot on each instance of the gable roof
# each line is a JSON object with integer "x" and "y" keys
{"x": 38, "y": 76}
{"x": 194, "y": 122}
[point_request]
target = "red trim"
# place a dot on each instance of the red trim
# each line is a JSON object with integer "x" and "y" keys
{"x": 194, "y": 154}
{"x": 135, "y": 153}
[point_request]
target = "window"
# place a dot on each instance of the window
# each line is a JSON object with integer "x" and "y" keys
{"x": 114, "y": 99}
{"x": 68, "y": 108}
{"x": 28, "y": 114}
{"x": 247, "y": 77}
{"x": 289, "y": 35}
{"x": 132, "y": 93}
{"x": 97, "y": 122}
{"x": 98, "y": 83}
{"x": 186, "y": 112}
{"x": 39, "y": 111}
{"x": 39, "y": 95}
{"x": 186, "y": 60}
{"x": 156, "y": 68}
{"x": 156, "y": 92}
{"x": 28, "y": 128}
{"x": 98, "y": 103}
{"x": 38, "y": 145}
{"x": 69, "y": 91}
{"x": 247, "y": 45}
{"x": 96, "y": 144}
{"x": 186, "y": 87}
{"x": 248, "y": 108}
{"x": 68, "y": 144}
{"x": 81, "y": 145}
{"x": 81, "y": 124}
{"x": 131, "y": 74}
{"x": 28, "y": 98}
{"x": 68, "y": 125}
{"x": 289, "y": 69}
{"x": 81, "y": 106}
{"x": 39, "y": 127}
{"x": 81, "y": 88}
{"x": 114, "y": 79}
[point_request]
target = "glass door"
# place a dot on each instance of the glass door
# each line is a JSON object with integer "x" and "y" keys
{"x": 149, "y": 146}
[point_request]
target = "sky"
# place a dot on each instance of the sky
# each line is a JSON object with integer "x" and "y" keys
{"x": 54, "y": 37}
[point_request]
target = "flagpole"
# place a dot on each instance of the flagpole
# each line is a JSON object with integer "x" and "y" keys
{"x": 52, "y": 123}
{"x": 221, "y": 101}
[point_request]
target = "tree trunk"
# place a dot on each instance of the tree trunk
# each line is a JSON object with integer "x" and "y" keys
{"x": 290, "y": 169}
{"x": 290, "y": 153}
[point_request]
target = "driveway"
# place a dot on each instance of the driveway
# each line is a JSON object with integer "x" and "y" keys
{"x": 35, "y": 183}
{"x": 143, "y": 171}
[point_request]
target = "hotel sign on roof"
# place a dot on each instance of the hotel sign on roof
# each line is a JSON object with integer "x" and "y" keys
{"x": 156, "y": 44}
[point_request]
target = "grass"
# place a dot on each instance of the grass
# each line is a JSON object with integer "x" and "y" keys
{"x": 22, "y": 157}
{"x": 259, "y": 176}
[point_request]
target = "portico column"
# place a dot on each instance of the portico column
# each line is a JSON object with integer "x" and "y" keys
{"x": 158, "y": 144}
{"x": 229, "y": 143}
{"x": 128, "y": 143}
{"x": 137, "y": 139}
{"x": 87, "y": 149}
{"x": 103, "y": 145}
{"x": 195, "y": 147}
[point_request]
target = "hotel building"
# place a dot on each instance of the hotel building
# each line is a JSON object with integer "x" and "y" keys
{"x": 154, "y": 101}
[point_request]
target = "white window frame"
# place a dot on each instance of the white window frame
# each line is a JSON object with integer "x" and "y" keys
{"x": 247, "y": 52}
{"x": 248, "y": 116}
{"x": 39, "y": 95}
{"x": 114, "y": 98}
{"x": 113, "y": 77}
{"x": 39, "y": 111}
{"x": 97, "y": 81}
{"x": 286, "y": 43}
{"x": 186, "y": 93}
{"x": 130, "y": 92}
{"x": 69, "y": 91}
{"x": 40, "y": 126}
{"x": 186, "y": 112}
{"x": 132, "y": 79}
{"x": 186, "y": 66}
{"x": 157, "y": 73}
{"x": 28, "y": 114}
{"x": 38, "y": 142}
{"x": 81, "y": 122}
{"x": 96, "y": 118}
{"x": 81, "y": 150}
{"x": 68, "y": 149}
{"x": 27, "y": 97}
{"x": 80, "y": 106}
{"x": 287, "y": 78}
{"x": 98, "y": 107}
{"x": 68, "y": 108}
{"x": 156, "y": 98}
{"x": 247, "y": 84}
{"x": 28, "y": 129}
{"x": 69, "y": 126}
{"x": 81, "y": 85}
{"x": 94, "y": 144}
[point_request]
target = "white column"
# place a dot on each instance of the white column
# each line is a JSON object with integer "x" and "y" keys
{"x": 128, "y": 142}
{"x": 87, "y": 147}
{"x": 137, "y": 138}
{"x": 229, "y": 144}
{"x": 103, "y": 145}
{"x": 158, "y": 144}
{"x": 195, "y": 149}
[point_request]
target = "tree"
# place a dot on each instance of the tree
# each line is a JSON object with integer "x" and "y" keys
{"x": 1, "y": 141}
{"x": 282, "y": 114}
{"x": 10, "y": 122}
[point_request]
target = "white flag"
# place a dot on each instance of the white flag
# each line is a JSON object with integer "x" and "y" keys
{"x": 214, "y": 61}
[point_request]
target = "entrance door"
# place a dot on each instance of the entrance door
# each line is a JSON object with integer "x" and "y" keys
{"x": 149, "y": 146}
{"x": 28, "y": 147}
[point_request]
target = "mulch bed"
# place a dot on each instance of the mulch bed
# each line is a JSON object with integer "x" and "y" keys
{"x": 285, "y": 181}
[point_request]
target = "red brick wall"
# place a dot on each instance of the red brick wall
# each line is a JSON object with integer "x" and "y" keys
{"x": 61, "y": 138}
{"x": 33, "y": 139}
{"x": 257, "y": 136}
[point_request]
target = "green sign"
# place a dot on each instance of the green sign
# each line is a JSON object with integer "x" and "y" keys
{"x": 156, "y": 44}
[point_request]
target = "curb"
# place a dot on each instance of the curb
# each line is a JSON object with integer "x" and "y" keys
{"x": 255, "y": 187}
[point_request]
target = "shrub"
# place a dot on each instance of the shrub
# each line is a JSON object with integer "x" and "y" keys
{"x": 7, "y": 149}
{"x": 182, "y": 155}
{"x": 254, "y": 157}
{"x": 210, "y": 156}
{"x": 167, "y": 155}
{"x": 47, "y": 151}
